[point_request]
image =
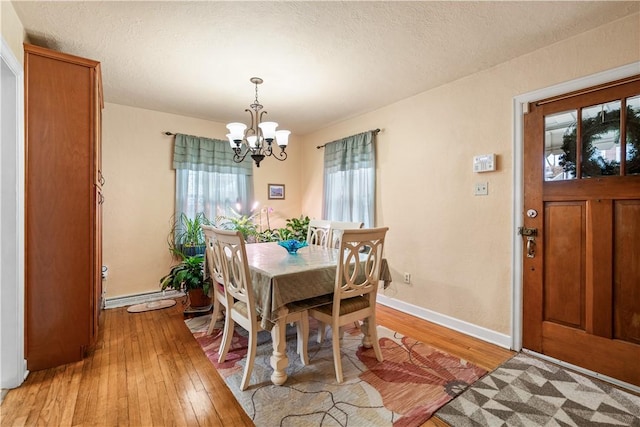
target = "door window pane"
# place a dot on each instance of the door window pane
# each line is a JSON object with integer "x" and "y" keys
{"x": 633, "y": 136}
{"x": 601, "y": 140}
{"x": 560, "y": 146}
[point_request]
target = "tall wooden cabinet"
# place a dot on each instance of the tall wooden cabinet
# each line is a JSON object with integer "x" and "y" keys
{"x": 63, "y": 206}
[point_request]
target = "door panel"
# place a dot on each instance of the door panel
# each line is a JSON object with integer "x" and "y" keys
{"x": 627, "y": 271}
{"x": 581, "y": 288}
{"x": 564, "y": 270}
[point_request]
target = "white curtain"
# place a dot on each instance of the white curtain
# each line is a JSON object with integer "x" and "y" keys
{"x": 207, "y": 178}
{"x": 350, "y": 179}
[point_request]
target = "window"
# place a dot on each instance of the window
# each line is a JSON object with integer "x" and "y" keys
{"x": 207, "y": 178}
{"x": 610, "y": 140}
{"x": 212, "y": 193}
{"x": 350, "y": 179}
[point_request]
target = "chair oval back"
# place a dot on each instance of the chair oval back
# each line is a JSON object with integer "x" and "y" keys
{"x": 319, "y": 232}
{"x": 212, "y": 254}
{"x": 338, "y": 227}
{"x": 360, "y": 260}
{"x": 235, "y": 269}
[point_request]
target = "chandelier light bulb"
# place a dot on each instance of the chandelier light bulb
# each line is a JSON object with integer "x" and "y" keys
{"x": 268, "y": 130}
{"x": 282, "y": 138}
{"x": 253, "y": 141}
{"x": 237, "y": 130}
{"x": 232, "y": 143}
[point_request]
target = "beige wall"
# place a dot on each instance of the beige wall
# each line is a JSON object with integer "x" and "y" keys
{"x": 12, "y": 29}
{"x": 140, "y": 188}
{"x": 457, "y": 246}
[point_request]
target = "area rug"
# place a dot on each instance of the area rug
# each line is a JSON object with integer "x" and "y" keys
{"x": 412, "y": 382}
{"x": 152, "y": 305}
{"x": 526, "y": 391}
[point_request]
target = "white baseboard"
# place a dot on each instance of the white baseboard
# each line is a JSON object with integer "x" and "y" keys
{"x": 466, "y": 328}
{"x": 126, "y": 300}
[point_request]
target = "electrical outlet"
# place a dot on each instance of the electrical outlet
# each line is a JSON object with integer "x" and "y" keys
{"x": 407, "y": 278}
{"x": 481, "y": 189}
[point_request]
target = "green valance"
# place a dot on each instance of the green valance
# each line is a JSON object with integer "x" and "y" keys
{"x": 353, "y": 152}
{"x": 207, "y": 155}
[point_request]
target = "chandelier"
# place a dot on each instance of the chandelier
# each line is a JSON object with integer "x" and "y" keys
{"x": 257, "y": 140}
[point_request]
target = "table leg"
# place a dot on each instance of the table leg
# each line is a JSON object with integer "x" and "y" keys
{"x": 279, "y": 359}
{"x": 366, "y": 337}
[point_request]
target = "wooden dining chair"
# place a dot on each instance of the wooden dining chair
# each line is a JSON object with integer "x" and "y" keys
{"x": 214, "y": 270}
{"x": 356, "y": 287}
{"x": 319, "y": 232}
{"x": 338, "y": 227}
{"x": 241, "y": 305}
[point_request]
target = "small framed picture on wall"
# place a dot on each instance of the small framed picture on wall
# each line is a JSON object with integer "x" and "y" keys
{"x": 276, "y": 191}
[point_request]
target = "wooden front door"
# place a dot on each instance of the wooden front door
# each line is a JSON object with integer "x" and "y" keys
{"x": 581, "y": 267}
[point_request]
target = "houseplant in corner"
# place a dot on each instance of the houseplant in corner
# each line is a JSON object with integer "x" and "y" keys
{"x": 188, "y": 276}
{"x": 186, "y": 237}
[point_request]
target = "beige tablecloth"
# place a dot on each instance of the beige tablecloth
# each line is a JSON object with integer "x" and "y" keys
{"x": 280, "y": 278}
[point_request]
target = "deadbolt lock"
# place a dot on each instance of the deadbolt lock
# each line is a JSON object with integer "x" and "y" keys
{"x": 524, "y": 231}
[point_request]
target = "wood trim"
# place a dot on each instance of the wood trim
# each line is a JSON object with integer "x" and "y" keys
{"x": 579, "y": 144}
{"x": 607, "y": 361}
{"x": 598, "y": 268}
{"x": 623, "y": 136}
{"x": 42, "y": 51}
{"x": 615, "y": 187}
{"x": 559, "y": 99}
{"x": 532, "y": 271}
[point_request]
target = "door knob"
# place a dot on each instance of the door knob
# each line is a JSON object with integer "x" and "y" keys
{"x": 531, "y": 246}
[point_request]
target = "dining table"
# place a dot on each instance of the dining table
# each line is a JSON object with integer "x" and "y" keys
{"x": 284, "y": 282}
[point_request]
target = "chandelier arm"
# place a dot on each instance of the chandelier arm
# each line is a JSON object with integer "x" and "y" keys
{"x": 282, "y": 155}
{"x": 238, "y": 157}
{"x": 253, "y": 114}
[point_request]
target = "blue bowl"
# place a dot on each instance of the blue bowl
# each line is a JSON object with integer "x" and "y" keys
{"x": 292, "y": 245}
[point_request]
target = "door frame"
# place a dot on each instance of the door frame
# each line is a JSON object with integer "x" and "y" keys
{"x": 13, "y": 368}
{"x": 520, "y": 107}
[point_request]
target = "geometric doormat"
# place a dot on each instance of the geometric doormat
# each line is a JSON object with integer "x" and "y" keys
{"x": 526, "y": 391}
{"x": 405, "y": 390}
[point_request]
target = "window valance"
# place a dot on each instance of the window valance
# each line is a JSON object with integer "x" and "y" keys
{"x": 206, "y": 155}
{"x": 353, "y": 152}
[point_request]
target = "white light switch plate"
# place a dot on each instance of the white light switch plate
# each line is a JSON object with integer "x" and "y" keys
{"x": 481, "y": 189}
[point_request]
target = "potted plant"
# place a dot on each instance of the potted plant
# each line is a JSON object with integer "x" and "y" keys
{"x": 186, "y": 236}
{"x": 295, "y": 229}
{"x": 188, "y": 276}
{"x": 243, "y": 223}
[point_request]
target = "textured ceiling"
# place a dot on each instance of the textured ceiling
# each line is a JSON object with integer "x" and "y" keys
{"x": 321, "y": 62}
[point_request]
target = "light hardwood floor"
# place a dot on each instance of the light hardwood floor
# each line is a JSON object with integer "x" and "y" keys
{"x": 148, "y": 370}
